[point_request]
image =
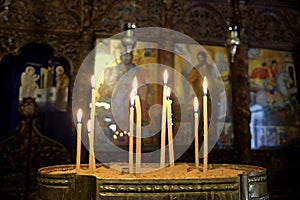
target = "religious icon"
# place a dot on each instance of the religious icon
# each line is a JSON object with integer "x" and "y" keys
{"x": 273, "y": 93}
{"x": 47, "y": 85}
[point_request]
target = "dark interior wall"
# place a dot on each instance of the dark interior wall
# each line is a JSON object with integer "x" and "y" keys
{"x": 69, "y": 28}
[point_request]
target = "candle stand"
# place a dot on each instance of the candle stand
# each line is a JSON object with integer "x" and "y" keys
{"x": 61, "y": 182}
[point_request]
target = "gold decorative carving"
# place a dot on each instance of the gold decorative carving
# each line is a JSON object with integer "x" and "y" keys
{"x": 270, "y": 28}
{"x": 25, "y": 152}
{"x": 40, "y": 15}
{"x": 201, "y": 21}
{"x": 109, "y": 17}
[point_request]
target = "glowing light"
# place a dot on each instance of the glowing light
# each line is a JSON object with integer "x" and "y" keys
{"x": 93, "y": 81}
{"x": 196, "y": 104}
{"x": 165, "y": 77}
{"x": 79, "y": 115}
{"x": 205, "y": 86}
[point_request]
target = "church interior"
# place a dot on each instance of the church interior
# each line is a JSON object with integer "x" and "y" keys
{"x": 254, "y": 45}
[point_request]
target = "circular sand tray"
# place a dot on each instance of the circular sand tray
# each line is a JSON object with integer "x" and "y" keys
{"x": 221, "y": 181}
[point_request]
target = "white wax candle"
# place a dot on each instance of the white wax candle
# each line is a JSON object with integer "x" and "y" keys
{"x": 89, "y": 137}
{"x": 92, "y": 163}
{"x": 196, "y": 124}
{"x": 163, "y": 121}
{"x": 205, "y": 127}
{"x": 78, "y": 147}
{"x": 131, "y": 119}
{"x": 138, "y": 126}
{"x": 170, "y": 132}
{"x": 138, "y": 133}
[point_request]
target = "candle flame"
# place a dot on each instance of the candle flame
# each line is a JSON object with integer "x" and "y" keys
{"x": 79, "y": 115}
{"x": 132, "y": 98}
{"x": 89, "y": 125}
{"x": 134, "y": 85}
{"x": 165, "y": 77}
{"x": 168, "y": 92}
{"x": 196, "y": 104}
{"x": 93, "y": 81}
{"x": 205, "y": 86}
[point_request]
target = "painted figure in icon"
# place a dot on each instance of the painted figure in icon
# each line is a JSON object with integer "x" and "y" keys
{"x": 62, "y": 84}
{"x": 28, "y": 82}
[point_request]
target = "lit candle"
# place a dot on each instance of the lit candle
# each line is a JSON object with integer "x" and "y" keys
{"x": 196, "y": 118}
{"x": 78, "y": 152}
{"x": 138, "y": 128}
{"x": 170, "y": 131}
{"x": 131, "y": 118}
{"x": 205, "y": 126}
{"x": 163, "y": 122}
{"x": 89, "y": 137}
{"x": 92, "y": 164}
